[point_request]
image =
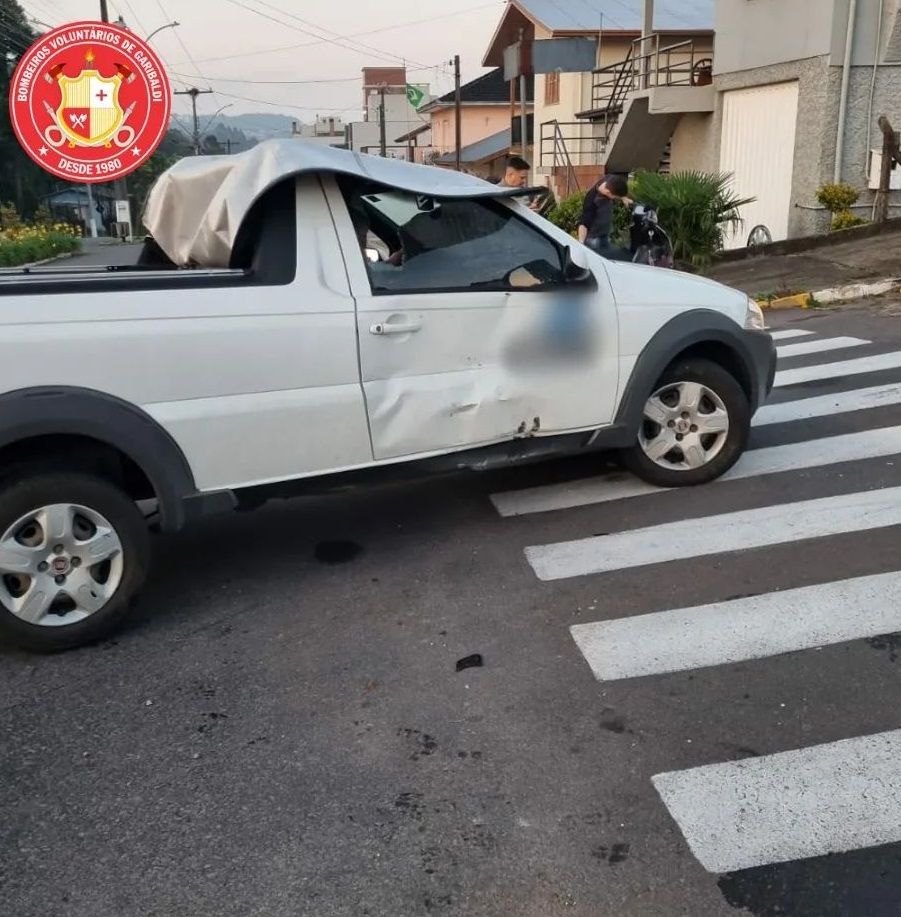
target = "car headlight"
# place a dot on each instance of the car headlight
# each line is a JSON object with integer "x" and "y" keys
{"x": 754, "y": 320}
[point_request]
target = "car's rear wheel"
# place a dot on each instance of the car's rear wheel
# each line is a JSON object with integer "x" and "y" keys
{"x": 74, "y": 551}
{"x": 694, "y": 426}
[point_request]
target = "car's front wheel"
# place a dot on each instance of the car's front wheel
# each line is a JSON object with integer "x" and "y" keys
{"x": 74, "y": 551}
{"x": 694, "y": 426}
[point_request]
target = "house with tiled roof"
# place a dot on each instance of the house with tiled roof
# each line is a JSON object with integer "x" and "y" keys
{"x": 625, "y": 111}
{"x": 490, "y": 112}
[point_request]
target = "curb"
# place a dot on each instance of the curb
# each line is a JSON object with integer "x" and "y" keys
{"x": 831, "y": 295}
{"x": 61, "y": 257}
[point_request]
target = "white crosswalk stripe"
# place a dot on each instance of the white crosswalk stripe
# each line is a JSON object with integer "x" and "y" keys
{"x": 813, "y": 453}
{"x": 752, "y": 528}
{"x": 789, "y": 333}
{"x": 742, "y": 629}
{"x": 822, "y": 371}
{"x": 822, "y": 346}
{"x": 794, "y": 805}
{"x": 797, "y": 804}
{"x": 860, "y": 399}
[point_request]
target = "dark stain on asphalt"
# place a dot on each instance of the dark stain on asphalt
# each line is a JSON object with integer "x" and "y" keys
{"x": 337, "y": 552}
{"x": 889, "y": 642}
{"x": 616, "y": 725}
{"x": 739, "y": 751}
{"x": 618, "y": 853}
{"x": 861, "y": 883}
{"x": 425, "y": 745}
{"x": 411, "y": 805}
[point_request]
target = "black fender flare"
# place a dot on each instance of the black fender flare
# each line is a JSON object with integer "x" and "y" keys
{"x": 63, "y": 410}
{"x": 754, "y": 353}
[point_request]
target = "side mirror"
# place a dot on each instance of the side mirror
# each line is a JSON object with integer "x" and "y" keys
{"x": 575, "y": 267}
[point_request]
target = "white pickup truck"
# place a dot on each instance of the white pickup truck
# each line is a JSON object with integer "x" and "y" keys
{"x": 305, "y": 317}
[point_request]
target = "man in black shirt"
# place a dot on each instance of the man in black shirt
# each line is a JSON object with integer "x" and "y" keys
{"x": 597, "y": 213}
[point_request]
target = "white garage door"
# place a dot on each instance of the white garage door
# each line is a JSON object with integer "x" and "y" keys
{"x": 758, "y": 148}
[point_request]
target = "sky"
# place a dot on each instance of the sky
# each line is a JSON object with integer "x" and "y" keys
{"x": 250, "y": 48}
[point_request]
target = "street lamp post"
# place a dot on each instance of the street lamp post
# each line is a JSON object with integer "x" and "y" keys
{"x": 168, "y": 25}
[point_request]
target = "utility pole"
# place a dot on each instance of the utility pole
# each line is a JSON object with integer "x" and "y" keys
{"x": 525, "y": 62}
{"x": 383, "y": 140}
{"x": 92, "y": 221}
{"x": 891, "y": 156}
{"x": 647, "y": 30}
{"x": 193, "y": 92}
{"x": 458, "y": 115}
{"x": 523, "y": 116}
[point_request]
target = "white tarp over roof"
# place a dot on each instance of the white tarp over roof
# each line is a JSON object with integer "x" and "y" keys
{"x": 195, "y": 209}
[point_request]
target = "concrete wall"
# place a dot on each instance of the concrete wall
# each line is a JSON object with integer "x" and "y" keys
{"x": 763, "y": 32}
{"x": 755, "y": 33}
{"x": 694, "y": 146}
{"x": 817, "y": 128}
{"x": 866, "y": 28}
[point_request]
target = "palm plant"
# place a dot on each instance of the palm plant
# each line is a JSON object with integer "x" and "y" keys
{"x": 695, "y": 208}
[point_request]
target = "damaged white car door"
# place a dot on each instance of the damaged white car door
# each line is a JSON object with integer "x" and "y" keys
{"x": 470, "y": 333}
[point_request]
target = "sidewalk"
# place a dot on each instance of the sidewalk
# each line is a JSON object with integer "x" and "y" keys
{"x": 834, "y": 265}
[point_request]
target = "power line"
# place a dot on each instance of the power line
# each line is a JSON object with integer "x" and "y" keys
{"x": 222, "y": 79}
{"x": 319, "y": 41}
{"x": 368, "y": 48}
{"x": 47, "y": 10}
{"x": 184, "y": 47}
{"x": 230, "y": 95}
{"x": 390, "y": 58}
{"x": 134, "y": 16}
{"x": 14, "y": 27}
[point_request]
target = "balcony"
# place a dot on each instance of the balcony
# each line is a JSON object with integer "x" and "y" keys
{"x": 636, "y": 104}
{"x": 650, "y": 64}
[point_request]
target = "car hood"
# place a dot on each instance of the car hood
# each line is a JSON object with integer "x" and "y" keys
{"x": 639, "y": 285}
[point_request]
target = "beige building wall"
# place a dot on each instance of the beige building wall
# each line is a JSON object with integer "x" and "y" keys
{"x": 694, "y": 144}
{"x": 477, "y": 122}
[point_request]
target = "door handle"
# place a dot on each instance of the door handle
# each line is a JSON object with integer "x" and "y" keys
{"x": 395, "y": 328}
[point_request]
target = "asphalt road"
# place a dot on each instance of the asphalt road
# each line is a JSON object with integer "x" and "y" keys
{"x": 283, "y": 731}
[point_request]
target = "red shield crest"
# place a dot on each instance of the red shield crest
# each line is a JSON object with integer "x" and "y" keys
{"x": 90, "y": 102}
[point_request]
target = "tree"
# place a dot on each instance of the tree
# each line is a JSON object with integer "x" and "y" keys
{"x": 21, "y": 180}
{"x": 212, "y": 146}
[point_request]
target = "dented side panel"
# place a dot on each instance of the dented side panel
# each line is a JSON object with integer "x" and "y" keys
{"x": 446, "y": 371}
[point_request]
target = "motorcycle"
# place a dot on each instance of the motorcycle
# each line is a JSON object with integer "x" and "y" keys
{"x": 649, "y": 242}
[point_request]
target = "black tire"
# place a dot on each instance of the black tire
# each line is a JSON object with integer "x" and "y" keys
{"x": 28, "y": 493}
{"x": 730, "y": 392}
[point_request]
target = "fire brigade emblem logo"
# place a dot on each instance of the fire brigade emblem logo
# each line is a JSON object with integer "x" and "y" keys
{"x": 90, "y": 102}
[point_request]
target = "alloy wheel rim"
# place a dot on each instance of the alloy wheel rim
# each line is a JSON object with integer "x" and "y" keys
{"x": 59, "y": 564}
{"x": 685, "y": 426}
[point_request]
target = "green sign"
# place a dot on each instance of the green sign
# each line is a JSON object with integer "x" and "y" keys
{"x": 415, "y": 95}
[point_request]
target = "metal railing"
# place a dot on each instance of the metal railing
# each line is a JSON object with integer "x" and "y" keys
{"x": 566, "y": 144}
{"x": 648, "y": 65}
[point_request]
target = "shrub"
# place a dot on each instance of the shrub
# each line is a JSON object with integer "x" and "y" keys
{"x": 837, "y": 198}
{"x": 844, "y": 219}
{"x": 9, "y": 217}
{"x": 695, "y": 208}
{"x": 24, "y": 244}
{"x": 42, "y": 216}
{"x": 566, "y": 213}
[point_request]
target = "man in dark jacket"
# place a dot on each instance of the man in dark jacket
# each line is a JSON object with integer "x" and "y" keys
{"x": 597, "y": 214}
